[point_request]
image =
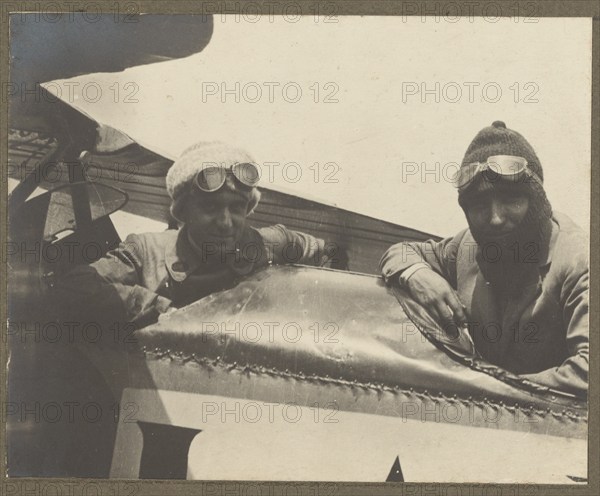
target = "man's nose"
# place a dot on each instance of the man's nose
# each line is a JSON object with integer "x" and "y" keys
{"x": 225, "y": 221}
{"x": 497, "y": 215}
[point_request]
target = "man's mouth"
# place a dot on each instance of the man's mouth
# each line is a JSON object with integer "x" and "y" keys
{"x": 220, "y": 237}
{"x": 496, "y": 234}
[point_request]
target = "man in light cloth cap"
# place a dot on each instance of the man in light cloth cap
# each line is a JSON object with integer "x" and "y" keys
{"x": 517, "y": 278}
{"x": 213, "y": 189}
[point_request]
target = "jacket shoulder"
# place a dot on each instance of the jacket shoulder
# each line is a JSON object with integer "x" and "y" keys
{"x": 153, "y": 237}
{"x": 144, "y": 242}
{"x": 571, "y": 253}
{"x": 567, "y": 225}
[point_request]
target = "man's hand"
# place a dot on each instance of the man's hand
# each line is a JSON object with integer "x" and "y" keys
{"x": 165, "y": 312}
{"x": 432, "y": 291}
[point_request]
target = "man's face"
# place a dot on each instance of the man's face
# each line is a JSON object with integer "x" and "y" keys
{"x": 496, "y": 213}
{"x": 215, "y": 218}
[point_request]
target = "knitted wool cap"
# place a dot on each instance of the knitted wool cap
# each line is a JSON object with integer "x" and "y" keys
{"x": 498, "y": 140}
{"x": 199, "y": 156}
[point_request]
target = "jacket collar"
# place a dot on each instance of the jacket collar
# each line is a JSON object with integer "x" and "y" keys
{"x": 180, "y": 258}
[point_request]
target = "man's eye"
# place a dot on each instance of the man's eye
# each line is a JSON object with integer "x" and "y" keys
{"x": 514, "y": 198}
{"x": 477, "y": 203}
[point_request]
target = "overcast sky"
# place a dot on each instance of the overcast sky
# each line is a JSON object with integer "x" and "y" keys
{"x": 350, "y": 95}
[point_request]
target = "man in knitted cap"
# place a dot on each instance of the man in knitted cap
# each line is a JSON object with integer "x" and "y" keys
{"x": 213, "y": 190}
{"x": 517, "y": 277}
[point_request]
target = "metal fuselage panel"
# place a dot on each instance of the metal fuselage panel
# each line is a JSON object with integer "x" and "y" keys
{"x": 301, "y": 373}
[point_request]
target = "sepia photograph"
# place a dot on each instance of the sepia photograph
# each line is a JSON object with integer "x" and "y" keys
{"x": 290, "y": 245}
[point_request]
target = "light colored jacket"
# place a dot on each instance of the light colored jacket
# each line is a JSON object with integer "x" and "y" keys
{"x": 541, "y": 331}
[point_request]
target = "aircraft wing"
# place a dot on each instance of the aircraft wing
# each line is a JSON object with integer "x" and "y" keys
{"x": 77, "y": 43}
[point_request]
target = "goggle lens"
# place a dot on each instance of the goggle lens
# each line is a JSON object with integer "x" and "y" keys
{"x": 211, "y": 179}
{"x": 246, "y": 173}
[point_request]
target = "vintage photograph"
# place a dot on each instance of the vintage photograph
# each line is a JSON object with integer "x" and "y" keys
{"x": 298, "y": 246}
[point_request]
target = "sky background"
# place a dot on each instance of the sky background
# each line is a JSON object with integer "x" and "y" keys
{"x": 392, "y": 151}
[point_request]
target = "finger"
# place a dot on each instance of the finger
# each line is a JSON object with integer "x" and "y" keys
{"x": 458, "y": 309}
{"x": 438, "y": 318}
{"x": 446, "y": 319}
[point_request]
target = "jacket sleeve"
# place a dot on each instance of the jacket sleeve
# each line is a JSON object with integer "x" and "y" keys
{"x": 441, "y": 255}
{"x": 285, "y": 246}
{"x": 112, "y": 287}
{"x": 572, "y": 374}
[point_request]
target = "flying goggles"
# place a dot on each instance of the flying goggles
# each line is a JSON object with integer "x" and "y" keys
{"x": 212, "y": 177}
{"x": 507, "y": 167}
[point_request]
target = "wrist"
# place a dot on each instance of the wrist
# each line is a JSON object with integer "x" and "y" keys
{"x": 407, "y": 273}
